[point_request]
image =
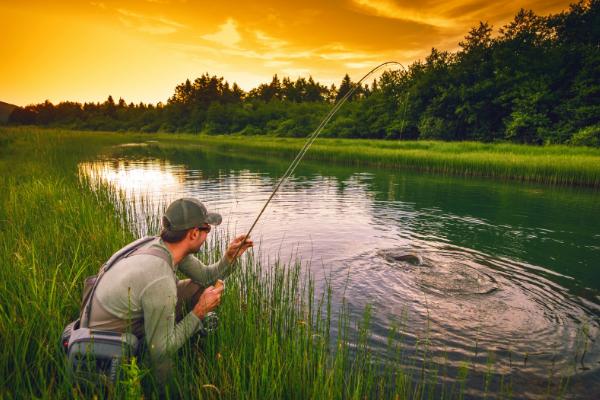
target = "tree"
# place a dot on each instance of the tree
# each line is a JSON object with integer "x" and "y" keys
{"x": 109, "y": 107}
{"x": 478, "y": 39}
{"x": 345, "y": 87}
{"x": 269, "y": 92}
{"x": 315, "y": 91}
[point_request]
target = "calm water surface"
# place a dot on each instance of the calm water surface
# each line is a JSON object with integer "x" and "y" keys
{"x": 508, "y": 268}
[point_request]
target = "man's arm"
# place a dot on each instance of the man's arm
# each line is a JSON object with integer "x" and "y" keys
{"x": 208, "y": 275}
{"x": 163, "y": 336}
{"x": 205, "y": 275}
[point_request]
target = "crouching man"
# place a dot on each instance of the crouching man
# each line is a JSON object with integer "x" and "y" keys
{"x": 141, "y": 293}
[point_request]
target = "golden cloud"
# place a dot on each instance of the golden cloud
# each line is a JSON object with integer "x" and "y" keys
{"x": 227, "y": 35}
{"x": 148, "y": 24}
{"x": 389, "y": 9}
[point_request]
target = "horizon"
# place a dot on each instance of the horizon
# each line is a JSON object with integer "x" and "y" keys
{"x": 140, "y": 50}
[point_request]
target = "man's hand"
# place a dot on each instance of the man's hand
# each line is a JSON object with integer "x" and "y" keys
{"x": 208, "y": 301}
{"x": 240, "y": 241}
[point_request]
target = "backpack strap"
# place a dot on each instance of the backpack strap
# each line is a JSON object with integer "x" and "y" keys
{"x": 125, "y": 252}
{"x": 153, "y": 251}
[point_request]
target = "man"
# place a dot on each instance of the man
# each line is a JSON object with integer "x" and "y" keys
{"x": 141, "y": 292}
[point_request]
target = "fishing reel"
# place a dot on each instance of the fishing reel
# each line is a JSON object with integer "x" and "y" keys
{"x": 211, "y": 320}
{"x": 210, "y": 323}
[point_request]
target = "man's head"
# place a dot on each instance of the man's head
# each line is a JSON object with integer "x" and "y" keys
{"x": 187, "y": 220}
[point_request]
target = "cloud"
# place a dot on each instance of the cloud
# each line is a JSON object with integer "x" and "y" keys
{"x": 296, "y": 72}
{"x": 148, "y": 24}
{"x": 389, "y": 9}
{"x": 239, "y": 51}
{"x": 269, "y": 41}
{"x": 340, "y": 56}
{"x": 227, "y": 34}
{"x": 455, "y": 16}
{"x": 359, "y": 65}
{"x": 98, "y": 4}
{"x": 276, "y": 63}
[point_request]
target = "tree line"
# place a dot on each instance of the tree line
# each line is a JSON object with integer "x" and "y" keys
{"x": 537, "y": 80}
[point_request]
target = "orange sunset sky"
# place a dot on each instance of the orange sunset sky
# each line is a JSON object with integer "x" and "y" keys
{"x": 139, "y": 50}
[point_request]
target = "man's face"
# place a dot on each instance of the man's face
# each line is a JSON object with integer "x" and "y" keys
{"x": 197, "y": 237}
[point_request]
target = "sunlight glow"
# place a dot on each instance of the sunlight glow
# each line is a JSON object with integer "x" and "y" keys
{"x": 140, "y": 50}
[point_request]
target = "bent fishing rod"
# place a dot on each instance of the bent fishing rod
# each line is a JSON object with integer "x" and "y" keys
{"x": 309, "y": 141}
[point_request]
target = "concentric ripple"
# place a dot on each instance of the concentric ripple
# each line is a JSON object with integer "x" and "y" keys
{"x": 445, "y": 278}
{"x": 456, "y": 278}
{"x": 464, "y": 301}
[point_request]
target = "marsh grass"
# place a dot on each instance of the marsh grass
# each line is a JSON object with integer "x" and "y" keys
{"x": 275, "y": 338}
{"x": 557, "y": 165}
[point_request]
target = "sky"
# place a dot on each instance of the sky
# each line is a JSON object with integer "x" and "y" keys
{"x": 141, "y": 49}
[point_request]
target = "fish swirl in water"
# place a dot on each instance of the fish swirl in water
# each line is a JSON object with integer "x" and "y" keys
{"x": 396, "y": 255}
{"x": 456, "y": 279}
{"x": 464, "y": 299}
{"x": 444, "y": 278}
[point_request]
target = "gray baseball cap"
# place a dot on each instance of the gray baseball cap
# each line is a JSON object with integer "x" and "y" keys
{"x": 186, "y": 213}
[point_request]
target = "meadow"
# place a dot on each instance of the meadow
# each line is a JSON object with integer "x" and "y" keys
{"x": 275, "y": 337}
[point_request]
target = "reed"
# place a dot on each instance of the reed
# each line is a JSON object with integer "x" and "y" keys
{"x": 556, "y": 165}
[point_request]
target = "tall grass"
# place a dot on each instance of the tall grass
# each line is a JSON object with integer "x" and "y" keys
{"x": 275, "y": 338}
{"x": 559, "y": 165}
{"x": 53, "y": 232}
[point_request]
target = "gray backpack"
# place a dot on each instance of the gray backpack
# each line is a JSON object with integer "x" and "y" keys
{"x": 93, "y": 352}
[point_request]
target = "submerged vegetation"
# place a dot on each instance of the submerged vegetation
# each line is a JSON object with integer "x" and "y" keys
{"x": 533, "y": 81}
{"x": 275, "y": 338}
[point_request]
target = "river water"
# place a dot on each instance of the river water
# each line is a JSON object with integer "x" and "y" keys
{"x": 475, "y": 266}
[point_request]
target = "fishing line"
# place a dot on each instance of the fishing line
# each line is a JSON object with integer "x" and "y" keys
{"x": 309, "y": 141}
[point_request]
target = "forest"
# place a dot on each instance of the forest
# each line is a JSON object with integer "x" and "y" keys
{"x": 535, "y": 80}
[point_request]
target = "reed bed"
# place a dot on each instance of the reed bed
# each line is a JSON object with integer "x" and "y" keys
{"x": 556, "y": 164}
{"x": 275, "y": 339}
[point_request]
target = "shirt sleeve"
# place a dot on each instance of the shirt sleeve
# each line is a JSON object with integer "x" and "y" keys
{"x": 163, "y": 336}
{"x": 205, "y": 275}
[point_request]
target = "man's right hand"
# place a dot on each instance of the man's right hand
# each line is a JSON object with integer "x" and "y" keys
{"x": 208, "y": 301}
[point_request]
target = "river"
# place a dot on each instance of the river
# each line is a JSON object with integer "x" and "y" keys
{"x": 478, "y": 267}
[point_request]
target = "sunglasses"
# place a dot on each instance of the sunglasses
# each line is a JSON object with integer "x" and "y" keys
{"x": 204, "y": 228}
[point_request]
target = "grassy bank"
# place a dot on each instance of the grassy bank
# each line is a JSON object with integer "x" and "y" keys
{"x": 52, "y": 232}
{"x": 274, "y": 339}
{"x": 555, "y": 164}
{"x": 560, "y": 165}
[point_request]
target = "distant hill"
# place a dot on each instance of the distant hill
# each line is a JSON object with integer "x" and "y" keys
{"x": 5, "y": 110}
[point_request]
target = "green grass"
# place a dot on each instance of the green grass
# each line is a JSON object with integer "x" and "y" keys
{"x": 554, "y": 164}
{"x": 274, "y": 339}
{"x": 559, "y": 165}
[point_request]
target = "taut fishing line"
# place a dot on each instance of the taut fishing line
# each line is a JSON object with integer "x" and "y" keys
{"x": 309, "y": 141}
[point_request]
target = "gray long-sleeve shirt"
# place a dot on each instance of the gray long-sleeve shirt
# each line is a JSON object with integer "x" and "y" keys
{"x": 140, "y": 291}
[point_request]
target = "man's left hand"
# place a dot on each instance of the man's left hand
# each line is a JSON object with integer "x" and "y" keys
{"x": 239, "y": 242}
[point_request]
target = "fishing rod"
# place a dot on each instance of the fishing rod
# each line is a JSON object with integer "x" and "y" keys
{"x": 309, "y": 141}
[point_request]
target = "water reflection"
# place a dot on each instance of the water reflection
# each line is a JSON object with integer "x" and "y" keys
{"x": 149, "y": 179}
{"x": 503, "y": 268}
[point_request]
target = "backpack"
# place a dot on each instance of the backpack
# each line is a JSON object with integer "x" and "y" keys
{"x": 92, "y": 351}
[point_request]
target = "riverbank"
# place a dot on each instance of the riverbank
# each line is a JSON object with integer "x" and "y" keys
{"x": 556, "y": 165}
{"x": 553, "y": 165}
